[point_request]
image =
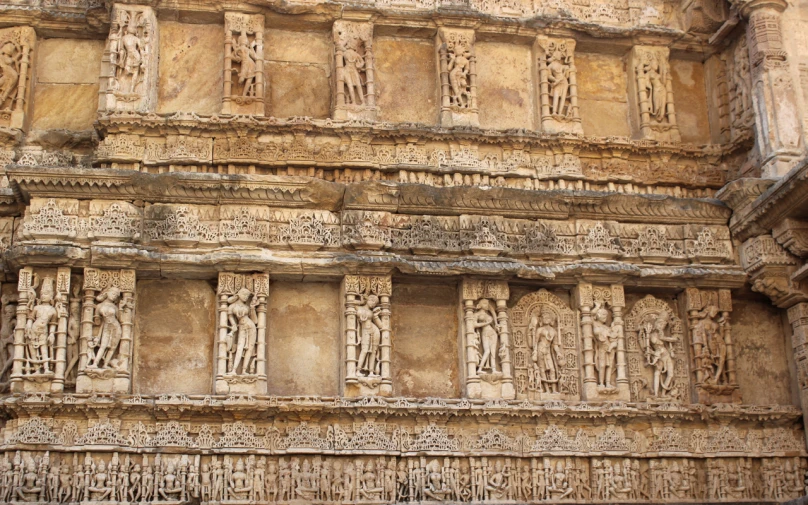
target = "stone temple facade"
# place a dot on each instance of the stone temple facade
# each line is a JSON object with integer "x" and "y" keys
{"x": 403, "y": 251}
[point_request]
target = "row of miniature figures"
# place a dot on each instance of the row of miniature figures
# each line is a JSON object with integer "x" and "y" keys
{"x": 115, "y": 478}
{"x": 61, "y": 330}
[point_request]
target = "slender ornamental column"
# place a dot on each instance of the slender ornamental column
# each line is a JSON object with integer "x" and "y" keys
{"x": 798, "y": 317}
{"x": 221, "y": 356}
{"x": 777, "y": 115}
{"x": 228, "y": 70}
{"x": 384, "y": 346}
{"x": 24, "y": 288}
{"x": 618, "y": 304}
{"x": 472, "y": 380}
{"x": 508, "y": 391}
{"x": 585, "y": 303}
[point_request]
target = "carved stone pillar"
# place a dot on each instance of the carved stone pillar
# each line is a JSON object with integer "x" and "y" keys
{"x": 241, "y": 341}
{"x": 129, "y": 65}
{"x": 558, "y": 85}
{"x": 774, "y": 94}
{"x": 355, "y": 94}
{"x": 604, "y": 343}
{"x": 457, "y": 64}
{"x": 40, "y": 336}
{"x": 798, "y": 317}
{"x": 107, "y": 322}
{"x": 650, "y": 94}
{"x": 17, "y": 44}
{"x": 711, "y": 345}
{"x": 366, "y": 327}
{"x": 486, "y": 339}
{"x": 243, "y": 64}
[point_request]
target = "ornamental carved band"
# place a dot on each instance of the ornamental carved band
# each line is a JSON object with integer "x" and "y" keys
{"x": 367, "y": 333}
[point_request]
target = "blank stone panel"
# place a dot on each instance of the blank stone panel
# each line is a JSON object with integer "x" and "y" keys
{"x": 505, "y": 94}
{"x": 303, "y": 338}
{"x": 174, "y": 334}
{"x": 406, "y": 80}
{"x": 425, "y": 347}
{"x": 690, "y": 100}
{"x": 602, "y": 94}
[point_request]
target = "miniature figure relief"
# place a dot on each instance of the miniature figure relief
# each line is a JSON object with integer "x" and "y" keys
{"x": 367, "y": 335}
{"x": 356, "y": 92}
{"x": 653, "y": 92}
{"x": 16, "y": 45}
{"x": 458, "y": 77}
{"x": 8, "y": 321}
{"x": 241, "y": 347}
{"x": 129, "y": 78}
{"x": 106, "y": 330}
{"x": 656, "y": 352}
{"x": 558, "y": 86}
{"x": 487, "y": 345}
{"x": 243, "y": 64}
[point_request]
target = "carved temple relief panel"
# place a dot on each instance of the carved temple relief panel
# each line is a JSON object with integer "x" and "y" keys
{"x": 40, "y": 335}
{"x": 243, "y": 64}
{"x": 355, "y": 94}
{"x": 16, "y": 49}
{"x": 366, "y": 326}
{"x": 486, "y": 339}
{"x": 545, "y": 346}
{"x": 241, "y": 366}
{"x": 603, "y": 342}
{"x": 129, "y": 65}
{"x": 457, "y": 63}
{"x": 558, "y": 85}
{"x": 107, "y": 322}
{"x": 657, "y": 362}
{"x": 712, "y": 352}
{"x": 650, "y": 92}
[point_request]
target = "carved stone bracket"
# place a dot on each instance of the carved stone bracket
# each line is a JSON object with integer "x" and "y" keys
{"x": 243, "y": 64}
{"x": 355, "y": 93}
{"x": 40, "y": 337}
{"x": 129, "y": 65}
{"x": 367, "y": 331}
{"x": 241, "y": 340}
{"x": 486, "y": 342}
{"x": 604, "y": 342}
{"x": 650, "y": 92}
{"x": 712, "y": 350}
{"x": 558, "y": 85}
{"x": 770, "y": 268}
{"x": 107, "y": 321}
{"x": 457, "y": 63}
{"x": 16, "y": 48}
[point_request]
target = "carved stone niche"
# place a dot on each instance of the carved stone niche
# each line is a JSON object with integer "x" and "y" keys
{"x": 366, "y": 327}
{"x": 545, "y": 348}
{"x": 713, "y": 356}
{"x": 129, "y": 64}
{"x": 485, "y": 336}
{"x": 16, "y": 48}
{"x": 650, "y": 94}
{"x": 40, "y": 336}
{"x": 107, "y": 322}
{"x": 243, "y": 64}
{"x": 558, "y": 85}
{"x": 457, "y": 64}
{"x": 241, "y": 366}
{"x": 657, "y": 363}
{"x": 604, "y": 343}
{"x": 355, "y": 94}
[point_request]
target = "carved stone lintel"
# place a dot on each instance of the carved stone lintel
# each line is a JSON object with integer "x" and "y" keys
{"x": 129, "y": 65}
{"x": 650, "y": 91}
{"x": 241, "y": 366}
{"x": 16, "y": 48}
{"x": 355, "y": 94}
{"x": 558, "y": 85}
{"x": 457, "y": 63}
{"x": 368, "y": 335}
{"x": 107, "y": 331}
{"x": 243, "y": 64}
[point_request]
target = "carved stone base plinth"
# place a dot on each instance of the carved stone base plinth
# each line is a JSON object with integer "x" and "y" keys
{"x": 356, "y": 112}
{"x": 617, "y": 392}
{"x": 241, "y": 384}
{"x": 561, "y": 125}
{"x": 247, "y": 106}
{"x": 493, "y": 386}
{"x": 709, "y": 394}
{"x": 114, "y": 384}
{"x": 455, "y": 117}
{"x": 368, "y": 386}
{"x": 40, "y": 383}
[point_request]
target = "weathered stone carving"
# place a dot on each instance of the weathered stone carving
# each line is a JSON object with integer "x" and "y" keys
{"x": 367, "y": 335}
{"x": 558, "y": 86}
{"x": 243, "y": 64}
{"x": 657, "y": 366}
{"x": 458, "y": 77}
{"x": 40, "y": 334}
{"x": 711, "y": 342}
{"x": 651, "y": 94}
{"x": 129, "y": 67}
{"x": 355, "y": 73}
{"x": 545, "y": 348}
{"x": 241, "y": 341}
{"x": 604, "y": 345}
{"x": 16, "y": 48}
{"x": 486, "y": 339}
{"x": 8, "y": 321}
{"x": 107, "y": 322}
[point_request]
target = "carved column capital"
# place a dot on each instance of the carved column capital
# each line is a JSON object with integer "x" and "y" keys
{"x": 747, "y": 7}
{"x": 770, "y": 268}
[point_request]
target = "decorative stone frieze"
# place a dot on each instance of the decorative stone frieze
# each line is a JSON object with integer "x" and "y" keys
{"x": 368, "y": 335}
{"x": 243, "y": 64}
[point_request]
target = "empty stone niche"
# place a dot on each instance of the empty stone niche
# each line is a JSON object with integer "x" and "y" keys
{"x": 406, "y": 80}
{"x": 175, "y": 325}
{"x": 303, "y": 338}
{"x": 602, "y": 94}
{"x": 425, "y": 356}
{"x": 505, "y": 94}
